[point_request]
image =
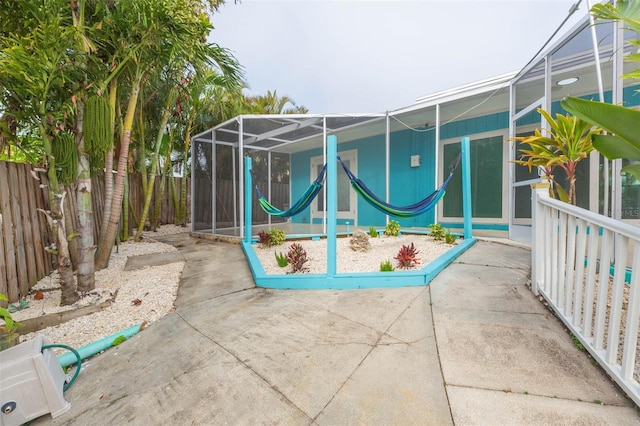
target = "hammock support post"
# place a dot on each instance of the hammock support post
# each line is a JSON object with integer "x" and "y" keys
{"x": 332, "y": 205}
{"x": 247, "y": 200}
{"x": 466, "y": 186}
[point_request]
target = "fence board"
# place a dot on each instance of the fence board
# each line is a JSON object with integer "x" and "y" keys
{"x": 7, "y": 233}
{"x": 37, "y": 236}
{"x": 18, "y": 241}
{"x": 4, "y": 180}
{"x": 31, "y": 272}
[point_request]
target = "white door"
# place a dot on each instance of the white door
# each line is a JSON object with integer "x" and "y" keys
{"x": 347, "y": 198}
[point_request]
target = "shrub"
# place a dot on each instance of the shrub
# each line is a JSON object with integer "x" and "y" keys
{"x": 272, "y": 237}
{"x": 372, "y": 232}
{"x": 264, "y": 239}
{"x": 437, "y": 232}
{"x": 386, "y": 266}
{"x": 297, "y": 257}
{"x": 277, "y": 236}
{"x": 392, "y": 228}
{"x": 450, "y": 238}
{"x": 407, "y": 257}
{"x": 281, "y": 259}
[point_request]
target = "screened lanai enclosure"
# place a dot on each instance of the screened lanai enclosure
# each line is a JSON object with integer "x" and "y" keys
{"x": 395, "y": 156}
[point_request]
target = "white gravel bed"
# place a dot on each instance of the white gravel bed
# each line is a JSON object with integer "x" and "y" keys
{"x": 142, "y": 295}
{"x": 382, "y": 248}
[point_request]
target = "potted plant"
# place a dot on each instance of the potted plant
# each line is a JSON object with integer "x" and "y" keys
{"x": 8, "y": 335}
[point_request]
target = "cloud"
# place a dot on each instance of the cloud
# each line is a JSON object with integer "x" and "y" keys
{"x": 372, "y": 56}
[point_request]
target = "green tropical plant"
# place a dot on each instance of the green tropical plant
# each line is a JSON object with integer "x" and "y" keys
{"x": 623, "y": 123}
{"x": 278, "y": 236}
{"x": 437, "y": 232}
{"x": 564, "y": 144}
{"x": 281, "y": 259}
{"x": 392, "y": 228}
{"x": 450, "y": 238}
{"x": 386, "y": 266}
{"x": 372, "y": 232}
{"x": 8, "y": 328}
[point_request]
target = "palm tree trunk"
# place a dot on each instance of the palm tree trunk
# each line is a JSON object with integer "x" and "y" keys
{"x": 126, "y": 209}
{"x": 155, "y": 221}
{"x": 183, "y": 184}
{"x": 104, "y": 249}
{"x": 108, "y": 166}
{"x": 85, "y": 265}
{"x": 56, "y": 221}
{"x": 176, "y": 201}
{"x": 154, "y": 164}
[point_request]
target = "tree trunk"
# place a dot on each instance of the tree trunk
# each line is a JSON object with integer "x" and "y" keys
{"x": 155, "y": 221}
{"x": 105, "y": 247}
{"x": 65, "y": 268}
{"x": 108, "y": 167}
{"x": 154, "y": 164}
{"x": 70, "y": 228}
{"x": 126, "y": 207}
{"x": 183, "y": 185}
{"x": 85, "y": 266}
{"x": 176, "y": 201}
{"x": 56, "y": 223}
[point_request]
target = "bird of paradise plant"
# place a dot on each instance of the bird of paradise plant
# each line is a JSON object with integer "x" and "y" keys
{"x": 564, "y": 144}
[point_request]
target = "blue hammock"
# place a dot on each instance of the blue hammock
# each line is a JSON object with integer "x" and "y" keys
{"x": 411, "y": 210}
{"x": 312, "y": 192}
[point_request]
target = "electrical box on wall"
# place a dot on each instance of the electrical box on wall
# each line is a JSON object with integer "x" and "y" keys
{"x": 415, "y": 161}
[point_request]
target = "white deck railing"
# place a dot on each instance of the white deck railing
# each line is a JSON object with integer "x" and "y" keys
{"x": 587, "y": 267}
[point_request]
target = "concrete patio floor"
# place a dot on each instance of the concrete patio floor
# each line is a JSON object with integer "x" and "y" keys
{"x": 475, "y": 347}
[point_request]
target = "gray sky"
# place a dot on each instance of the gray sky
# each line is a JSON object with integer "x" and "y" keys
{"x": 337, "y": 56}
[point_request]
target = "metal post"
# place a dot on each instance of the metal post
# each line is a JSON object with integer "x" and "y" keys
{"x": 332, "y": 204}
{"x": 387, "y": 154}
{"x": 247, "y": 200}
{"x": 466, "y": 186}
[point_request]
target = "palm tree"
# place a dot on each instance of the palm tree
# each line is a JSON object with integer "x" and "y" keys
{"x": 169, "y": 27}
{"x": 271, "y": 103}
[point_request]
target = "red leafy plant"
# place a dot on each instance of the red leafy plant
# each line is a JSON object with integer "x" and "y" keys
{"x": 406, "y": 257}
{"x": 297, "y": 257}
{"x": 264, "y": 239}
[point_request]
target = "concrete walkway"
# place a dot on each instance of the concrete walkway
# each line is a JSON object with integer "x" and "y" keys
{"x": 474, "y": 347}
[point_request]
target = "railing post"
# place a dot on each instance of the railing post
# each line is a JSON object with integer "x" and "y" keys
{"x": 538, "y": 191}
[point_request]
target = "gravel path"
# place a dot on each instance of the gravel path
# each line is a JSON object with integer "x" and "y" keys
{"x": 143, "y": 295}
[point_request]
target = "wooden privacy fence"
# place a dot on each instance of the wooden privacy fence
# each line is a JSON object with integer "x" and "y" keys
{"x": 25, "y": 232}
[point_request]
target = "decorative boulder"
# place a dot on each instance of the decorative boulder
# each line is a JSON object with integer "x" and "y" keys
{"x": 359, "y": 241}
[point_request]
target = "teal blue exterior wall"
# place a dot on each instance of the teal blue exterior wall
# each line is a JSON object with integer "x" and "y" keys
{"x": 407, "y": 184}
{"x": 476, "y": 125}
{"x": 371, "y": 170}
